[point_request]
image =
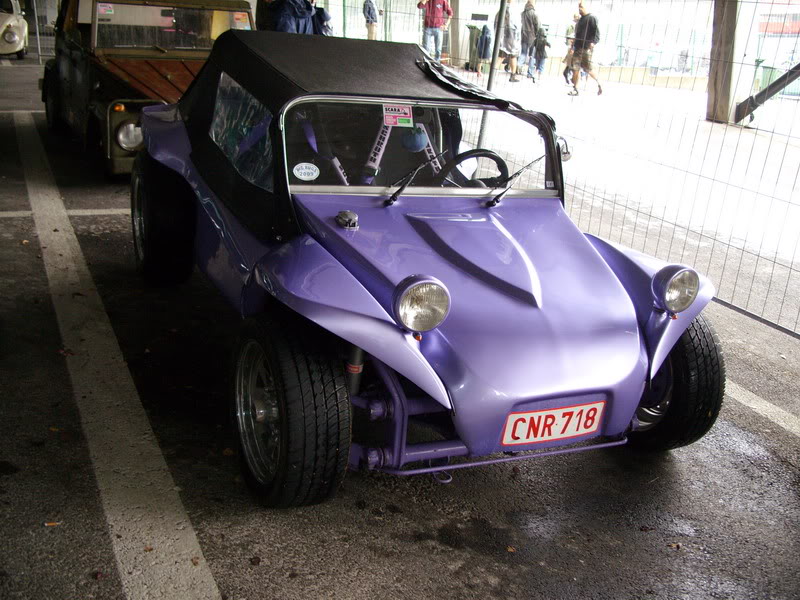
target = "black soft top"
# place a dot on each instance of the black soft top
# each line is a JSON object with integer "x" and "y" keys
{"x": 277, "y": 67}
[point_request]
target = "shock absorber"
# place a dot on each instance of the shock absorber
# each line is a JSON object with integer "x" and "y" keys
{"x": 355, "y": 366}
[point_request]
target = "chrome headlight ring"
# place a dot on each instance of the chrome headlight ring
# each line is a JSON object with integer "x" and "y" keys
{"x": 675, "y": 288}
{"x": 10, "y": 36}
{"x": 129, "y": 136}
{"x": 421, "y": 303}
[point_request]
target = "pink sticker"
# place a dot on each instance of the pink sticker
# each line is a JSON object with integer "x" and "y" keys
{"x": 397, "y": 115}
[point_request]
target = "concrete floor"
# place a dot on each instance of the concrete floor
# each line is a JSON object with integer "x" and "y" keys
{"x": 718, "y": 519}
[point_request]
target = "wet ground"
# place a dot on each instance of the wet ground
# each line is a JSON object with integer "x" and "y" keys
{"x": 718, "y": 519}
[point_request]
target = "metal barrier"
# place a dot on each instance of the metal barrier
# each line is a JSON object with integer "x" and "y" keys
{"x": 42, "y": 29}
{"x": 649, "y": 171}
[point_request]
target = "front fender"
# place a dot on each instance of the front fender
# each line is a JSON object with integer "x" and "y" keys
{"x": 635, "y": 271}
{"x": 305, "y": 277}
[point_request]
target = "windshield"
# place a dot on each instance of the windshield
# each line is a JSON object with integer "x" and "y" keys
{"x": 162, "y": 27}
{"x": 6, "y": 6}
{"x": 340, "y": 143}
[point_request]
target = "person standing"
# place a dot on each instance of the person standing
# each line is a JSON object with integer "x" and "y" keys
{"x": 540, "y": 53}
{"x": 569, "y": 40}
{"x": 371, "y": 17}
{"x": 437, "y": 17}
{"x": 530, "y": 25}
{"x": 511, "y": 37}
{"x": 587, "y": 34}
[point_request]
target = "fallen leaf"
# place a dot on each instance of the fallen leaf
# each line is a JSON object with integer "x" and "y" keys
{"x": 256, "y": 560}
{"x": 52, "y": 523}
{"x": 54, "y": 429}
{"x": 25, "y": 242}
{"x": 511, "y": 549}
{"x": 148, "y": 548}
{"x": 676, "y": 545}
{"x": 195, "y": 560}
{"x": 97, "y": 575}
{"x": 645, "y": 528}
{"x": 228, "y": 452}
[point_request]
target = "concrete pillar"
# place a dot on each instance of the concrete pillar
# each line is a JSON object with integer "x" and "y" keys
{"x": 733, "y": 42}
{"x": 457, "y": 30}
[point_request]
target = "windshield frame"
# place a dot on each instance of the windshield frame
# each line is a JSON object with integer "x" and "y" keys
{"x": 150, "y": 51}
{"x": 541, "y": 122}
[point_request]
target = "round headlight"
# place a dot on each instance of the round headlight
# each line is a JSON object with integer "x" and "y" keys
{"x": 421, "y": 303}
{"x": 129, "y": 136}
{"x": 675, "y": 288}
{"x": 10, "y": 36}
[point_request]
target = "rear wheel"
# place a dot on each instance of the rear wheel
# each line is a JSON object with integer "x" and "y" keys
{"x": 686, "y": 393}
{"x": 163, "y": 222}
{"x": 21, "y": 54}
{"x": 292, "y": 412}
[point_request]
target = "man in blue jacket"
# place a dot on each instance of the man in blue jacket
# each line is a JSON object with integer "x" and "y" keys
{"x": 371, "y": 13}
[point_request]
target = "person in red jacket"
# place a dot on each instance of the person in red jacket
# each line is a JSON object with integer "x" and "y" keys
{"x": 437, "y": 17}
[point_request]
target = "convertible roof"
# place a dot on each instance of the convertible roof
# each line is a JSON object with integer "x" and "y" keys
{"x": 278, "y": 67}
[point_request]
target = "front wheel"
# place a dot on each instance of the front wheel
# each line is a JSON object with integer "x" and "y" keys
{"x": 163, "y": 223}
{"x": 21, "y": 54}
{"x": 686, "y": 394}
{"x": 292, "y": 412}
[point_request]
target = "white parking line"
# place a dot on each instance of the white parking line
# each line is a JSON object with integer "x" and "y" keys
{"x": 98, "y": 212}
{"x": 156, "y": 548}
{"x": 766, "y": 409}
{"x": 74, "y": 212}
{"x": 4, "y": 62}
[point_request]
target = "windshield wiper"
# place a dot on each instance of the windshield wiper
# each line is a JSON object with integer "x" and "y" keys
{"x": 408, "y": 178}
{"x": 510, "y": 181}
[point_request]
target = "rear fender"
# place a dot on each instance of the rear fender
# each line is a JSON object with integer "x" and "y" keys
{"x": 302, "y": 275}
{"x": 635, "y": 271}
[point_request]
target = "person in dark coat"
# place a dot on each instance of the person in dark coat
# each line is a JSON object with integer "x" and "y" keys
{"x": 540, "y": 54}
{"x": 587, "y": 34}
{"x": 291, "y": 16}
{"x": 484, "y": 47}
{"x": 322, "y": 20}
{"x": 530, "y": 25}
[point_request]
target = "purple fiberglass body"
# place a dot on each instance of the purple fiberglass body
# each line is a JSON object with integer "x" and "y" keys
{"x": 443, "y": 308}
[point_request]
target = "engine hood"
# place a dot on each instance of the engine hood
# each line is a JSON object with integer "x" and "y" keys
{"x": 164, "y": 80}
{"x": 536, "y": 314}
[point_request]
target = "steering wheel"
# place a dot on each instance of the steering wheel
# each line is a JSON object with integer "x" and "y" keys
{"x": 461, "y": 180}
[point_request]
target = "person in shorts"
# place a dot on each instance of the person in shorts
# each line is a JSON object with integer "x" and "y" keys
{"x": 587, "y": 34}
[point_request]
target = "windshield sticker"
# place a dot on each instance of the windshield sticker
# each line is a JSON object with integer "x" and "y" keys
{"x": 241, "y": 20}
{"x": 105, "y": 9}
{"x": 397, "y": 115}
{"x": 306, "y": 171}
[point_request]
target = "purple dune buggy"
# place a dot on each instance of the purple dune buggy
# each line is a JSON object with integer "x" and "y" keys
{"x": 396, "y": 242}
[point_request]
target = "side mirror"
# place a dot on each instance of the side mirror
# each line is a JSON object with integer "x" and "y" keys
{"x": 22, "y": 13}
{"x": 564, "y": 147}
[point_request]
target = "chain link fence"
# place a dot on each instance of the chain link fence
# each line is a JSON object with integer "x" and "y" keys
{"x": 649, "y": 170}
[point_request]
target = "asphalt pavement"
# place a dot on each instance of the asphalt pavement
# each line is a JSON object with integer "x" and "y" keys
{"x": 718, "y": 519}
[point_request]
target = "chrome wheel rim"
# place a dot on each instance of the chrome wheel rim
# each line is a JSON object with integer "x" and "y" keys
{"x": 258, "y": 412}
{"x": 137, "y": 219}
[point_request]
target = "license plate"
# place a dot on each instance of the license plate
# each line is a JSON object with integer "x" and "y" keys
{"x": 553, "y": 424}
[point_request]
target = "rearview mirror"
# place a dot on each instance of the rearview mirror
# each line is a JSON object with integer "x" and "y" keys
{"x": 563, "y": 146}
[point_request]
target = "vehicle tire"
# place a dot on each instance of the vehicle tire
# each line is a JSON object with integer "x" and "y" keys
{"x": 52, "y": 104}
{"x": 162, "y": 221}
{"x": 292, "y": 412}
{"x": 21, "y": 54}
{"x": 693, "y": 383}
